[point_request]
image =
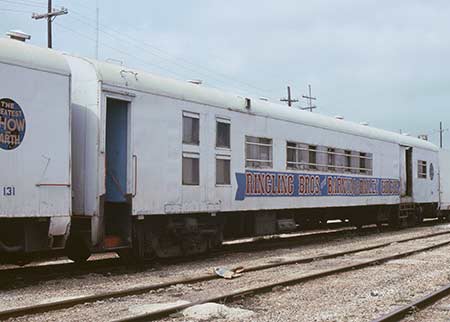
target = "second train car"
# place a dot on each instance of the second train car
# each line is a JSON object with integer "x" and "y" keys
{"x": 161, "y": 167}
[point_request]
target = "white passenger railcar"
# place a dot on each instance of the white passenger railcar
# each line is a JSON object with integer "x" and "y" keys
{"x": 164, "y": 167}
{"x": 172, "y": 167}
{"x": 35, "y": 177}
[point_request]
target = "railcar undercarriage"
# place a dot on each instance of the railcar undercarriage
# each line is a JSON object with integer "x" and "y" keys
{"x": 23, "y": 239}
{"x": 185, "y": 235}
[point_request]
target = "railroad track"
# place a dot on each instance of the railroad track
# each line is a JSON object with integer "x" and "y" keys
{"x": 236, "y": 293}
{"x": 419, "y": 304}
{"x": 33, "y": 274}
{"x": 12, "y": 277}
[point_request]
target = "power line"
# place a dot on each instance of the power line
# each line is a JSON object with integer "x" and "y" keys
{"x": 23, "y": 3}
{"x": 115, "y": 36}
{"x": 162, "y": 55}
{"x": 114, "y": 48}
{"x": 168, "y": 57}
{"x": 14, "y": 10}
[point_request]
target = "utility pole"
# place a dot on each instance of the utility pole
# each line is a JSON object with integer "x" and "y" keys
{"x": 289, "y": 99}
{"x": 50, "y": 16}
{"x": 310, "y": 98}
{"x": 441, "y": 134}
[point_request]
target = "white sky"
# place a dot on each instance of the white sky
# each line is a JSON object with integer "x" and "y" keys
{"x": 384, "y": 62}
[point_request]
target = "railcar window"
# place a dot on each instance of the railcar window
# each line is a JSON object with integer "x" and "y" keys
{"x": 365, "y": 163}
{"x": 331, "y": 159}
{"x": 223, "y": 170}
{"x": 422, "y": 169}
{"x": 296, "y": 156}
{"x": 191, "y": 169}
{"x": 223, "y": 133}
{"x": 311, "y": 157}
{"x": 348, "y": 161}
{"x": 258, "y": 152}
{"x": 191, "y": 128}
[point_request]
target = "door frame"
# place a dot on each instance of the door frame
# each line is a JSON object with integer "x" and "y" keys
{"x": 108, "y": 93}
{"x": 406, "y": 171}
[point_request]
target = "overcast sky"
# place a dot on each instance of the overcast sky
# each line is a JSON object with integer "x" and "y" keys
{"x": 384, "y": 62}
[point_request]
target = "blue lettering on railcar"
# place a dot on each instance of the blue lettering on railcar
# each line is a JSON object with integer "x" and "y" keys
{"x": 12, "y": 124}
{"x": 254, "y": 183}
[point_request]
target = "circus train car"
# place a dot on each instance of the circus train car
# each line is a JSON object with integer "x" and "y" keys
{"x": 117, "y": 159}
{"x": 35, "y": 136}
{"x": 168, "y": 168}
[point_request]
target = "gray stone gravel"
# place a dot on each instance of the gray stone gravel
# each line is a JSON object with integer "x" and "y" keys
{"x": 94, "y": 283}
{"x": 361, "y": 295}
{"x": 278, "y": 305}
{"x": 439, "y": 312}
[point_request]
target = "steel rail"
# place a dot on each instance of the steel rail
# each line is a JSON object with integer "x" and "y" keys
{"x": 423, "y": 302}
{"x": 251, "y": 291}
{"x": 44, "y": 272}
{"x": 52, "y": 306}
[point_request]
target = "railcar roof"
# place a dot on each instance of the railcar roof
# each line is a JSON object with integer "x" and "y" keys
{"x": 22, "y": 54}
{"x": 19, "y": 53}
{"x": 124, "y": 77}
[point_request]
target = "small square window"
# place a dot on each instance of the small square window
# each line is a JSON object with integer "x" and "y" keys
{"x": 191, "y": 128}
{"x": 422, "y": 169}
{"x": 223, "y": 135}
{"x": 191, "y": 171}
{"x": 258, "y": 152}
{"x": 222, "y": 171}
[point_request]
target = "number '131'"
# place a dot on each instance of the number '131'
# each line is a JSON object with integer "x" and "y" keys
{"x": 9, "y": 191}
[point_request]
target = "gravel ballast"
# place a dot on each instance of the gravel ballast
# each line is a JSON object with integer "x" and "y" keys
{"x": 275, "y": 306}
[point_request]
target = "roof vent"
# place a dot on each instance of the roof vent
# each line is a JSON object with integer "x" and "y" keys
{"x": 195, "y": 81}
{"x": 248, "y": 103}
{"x": 364, "y": 124}
{"x": 265, "y": 99}
{"x": 339, "y": 117}
{"x": 114, "y": 61}
{"x": 423, "y": 137}
{"x": 18, "y": 35}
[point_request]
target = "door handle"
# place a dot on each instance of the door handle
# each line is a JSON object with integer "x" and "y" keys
{"x": 135, "y": 175}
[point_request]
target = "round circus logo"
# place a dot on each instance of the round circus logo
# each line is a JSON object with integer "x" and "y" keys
{"x": 12, "y": 124}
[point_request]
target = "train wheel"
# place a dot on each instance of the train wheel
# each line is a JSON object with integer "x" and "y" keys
{"x": 77, "y": 250}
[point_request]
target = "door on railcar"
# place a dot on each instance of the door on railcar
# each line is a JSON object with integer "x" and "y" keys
{"x": 406, "y": 172}
{"x": 118, "y": 201}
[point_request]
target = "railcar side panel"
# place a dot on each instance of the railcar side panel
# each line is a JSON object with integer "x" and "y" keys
{"x": 34, "y": 143}
{"x": 157, "y": 143}
{"x": 425, "y": 172}
{"x": 35, "y": 156}
{"x": 444, "y": 178}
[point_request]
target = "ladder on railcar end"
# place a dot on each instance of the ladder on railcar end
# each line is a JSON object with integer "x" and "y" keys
{"x": 407, "y": 214}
